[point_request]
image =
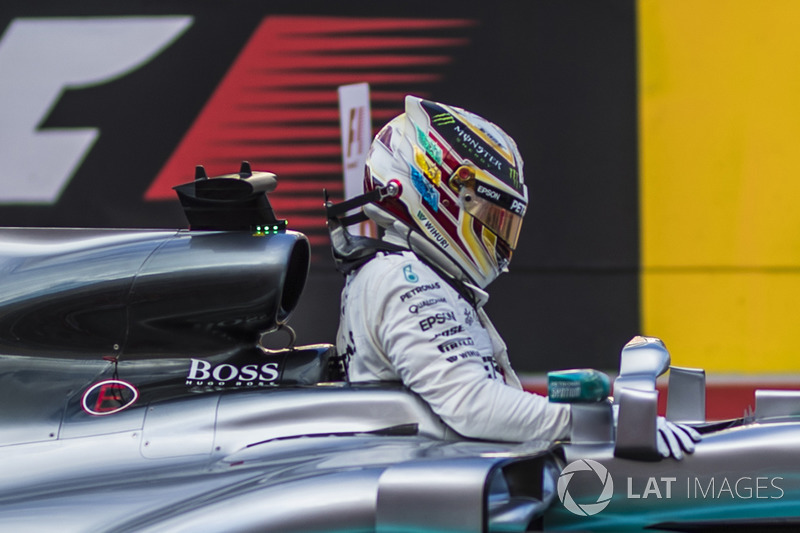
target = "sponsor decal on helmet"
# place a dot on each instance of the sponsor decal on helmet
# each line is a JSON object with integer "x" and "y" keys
{"x": 430, "y": 170}
{"x": 488, "y": 192}
{"x": 431, "y": 229}
{"x": 108, "y": 397}
{"x": 439, "y": 318}
{"x": 415, "y": 308}
{"x": 443, "y": 118}
{"x": 416, "y": 290}
{"x": 428, "y": 192}
{"x": 409, "y": 274}
{"x": 477, "y": 149}
{"x": 500, "y": 198}
{"x": 202, "y": 373}
{"x": 431, "y": 148}
{"x": 473, "y": 145}
{"x": 450, "y": 345}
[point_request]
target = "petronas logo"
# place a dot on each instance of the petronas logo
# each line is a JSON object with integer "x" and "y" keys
{"x": 443, "y": 118}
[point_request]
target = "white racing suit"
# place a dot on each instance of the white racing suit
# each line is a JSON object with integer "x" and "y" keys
{"x": 401, "y": 321}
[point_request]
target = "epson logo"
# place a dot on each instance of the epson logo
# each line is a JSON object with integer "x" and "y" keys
{"x": 439, "y": 318}
{"x": 202, "y": 373}
{"x": 488, "y": 193}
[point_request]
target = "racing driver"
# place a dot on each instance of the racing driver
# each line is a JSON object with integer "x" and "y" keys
{"x": 446, "y": 189}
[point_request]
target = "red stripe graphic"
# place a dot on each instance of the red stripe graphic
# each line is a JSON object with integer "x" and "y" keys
{"x": 303, "y": 26}
{"x": 304, "y": 44}
{"x": 328, "y": 62}
{"x": 277, "y": 106}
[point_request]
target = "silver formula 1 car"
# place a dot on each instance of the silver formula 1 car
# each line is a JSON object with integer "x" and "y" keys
{"x": 135, "y": 396}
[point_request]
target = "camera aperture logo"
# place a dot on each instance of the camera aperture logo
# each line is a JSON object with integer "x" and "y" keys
{"x": 585, "y": 509}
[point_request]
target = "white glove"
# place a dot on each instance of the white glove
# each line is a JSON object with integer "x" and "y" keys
{"x": 674, "y": 439}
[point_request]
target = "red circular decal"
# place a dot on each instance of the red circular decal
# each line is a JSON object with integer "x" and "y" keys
{"x": 108, "y": 397}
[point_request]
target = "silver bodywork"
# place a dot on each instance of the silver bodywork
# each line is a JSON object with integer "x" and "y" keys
{"x": 213, "y": 432}
{"x": 223, "y": 435}
{"x": 742, "y": 476}
{"x": 327, "y": 458}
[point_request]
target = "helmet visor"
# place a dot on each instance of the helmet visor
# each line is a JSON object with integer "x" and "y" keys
{"x": 498, "y": 211}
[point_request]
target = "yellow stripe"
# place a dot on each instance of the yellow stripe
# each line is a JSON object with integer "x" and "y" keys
{"x": 472, "y": 243}
{"x": 719, "y": 125}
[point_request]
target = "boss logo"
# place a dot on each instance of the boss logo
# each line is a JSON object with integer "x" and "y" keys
{"x": 202, "y": 373}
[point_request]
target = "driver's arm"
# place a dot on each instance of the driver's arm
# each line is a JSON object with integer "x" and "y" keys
{"x": 441, "y": 352}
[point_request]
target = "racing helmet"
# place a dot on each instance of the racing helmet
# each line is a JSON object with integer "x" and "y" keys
{"x": 458, "y": 181}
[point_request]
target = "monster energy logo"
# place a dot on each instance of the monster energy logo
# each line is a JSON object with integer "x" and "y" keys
{"x": 514, "y": 175}
{"x": 443, "y": 118}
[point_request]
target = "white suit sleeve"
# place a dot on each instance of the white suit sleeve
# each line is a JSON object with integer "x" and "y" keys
{"x": 441, "y": 352}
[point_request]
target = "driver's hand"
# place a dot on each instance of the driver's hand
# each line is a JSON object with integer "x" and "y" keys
{"x": 675, "y": 439}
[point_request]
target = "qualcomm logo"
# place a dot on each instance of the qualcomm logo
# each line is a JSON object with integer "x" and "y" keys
{"x": 587, "y": 509}
{"x": 42, "y": 58}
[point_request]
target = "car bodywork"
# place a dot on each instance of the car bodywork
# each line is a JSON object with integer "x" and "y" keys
{"x": 135, "y": 396}
{"x": 741, "y": 476}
